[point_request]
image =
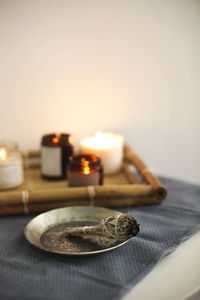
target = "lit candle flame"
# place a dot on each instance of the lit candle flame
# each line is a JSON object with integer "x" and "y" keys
{"x": 71, "y": 140}
{"x": 56, "y": 139}
{"x": 3, "y": 153}
{"x": 86, "y": 168}
{"x": 99, "y": 134}
{"x": 100, "y": 139}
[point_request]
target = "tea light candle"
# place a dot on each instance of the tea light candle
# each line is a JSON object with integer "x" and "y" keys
{"x": 55, "y": 152}
{"x": 85, "y": 170}
{"x": 11, "y": 169}
{"x": 108, "y": 146}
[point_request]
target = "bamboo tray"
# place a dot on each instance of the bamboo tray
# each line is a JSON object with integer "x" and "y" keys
{"x": 120, "y": 189}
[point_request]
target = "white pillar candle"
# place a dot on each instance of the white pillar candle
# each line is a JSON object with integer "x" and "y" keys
{"x": 108, "y": 146}
{"x": 11, "y": 170}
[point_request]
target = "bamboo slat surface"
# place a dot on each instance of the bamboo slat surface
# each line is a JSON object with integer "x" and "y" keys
{"x": 119, "y": 189}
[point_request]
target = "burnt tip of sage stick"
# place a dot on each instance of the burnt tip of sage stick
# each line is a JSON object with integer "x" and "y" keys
{"x": 126, "y": 227}
{"x": 134, "y": 226}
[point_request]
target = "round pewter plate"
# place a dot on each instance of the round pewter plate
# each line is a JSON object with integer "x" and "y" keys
{"x": 46, "y": 231}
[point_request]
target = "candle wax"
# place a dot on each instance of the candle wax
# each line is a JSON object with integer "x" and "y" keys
{"x": 108, "y": 146}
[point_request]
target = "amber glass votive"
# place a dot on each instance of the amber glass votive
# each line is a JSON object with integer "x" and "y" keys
{"x": 84, "y": 170}
{"x": 55, "y": 152}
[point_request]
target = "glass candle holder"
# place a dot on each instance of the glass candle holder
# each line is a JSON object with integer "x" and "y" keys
{"x": 11, "y": 167}
{"x": 85, "y": 170}
{"x": 55, "y": 152}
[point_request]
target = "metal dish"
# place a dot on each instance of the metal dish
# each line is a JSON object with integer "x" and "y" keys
{"x": 46, "y": 231}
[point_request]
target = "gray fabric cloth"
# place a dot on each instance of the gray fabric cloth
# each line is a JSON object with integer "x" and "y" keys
{"x": 27, "y": 273}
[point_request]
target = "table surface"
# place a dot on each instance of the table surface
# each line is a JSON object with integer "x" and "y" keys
{"x": 176, "y": 277}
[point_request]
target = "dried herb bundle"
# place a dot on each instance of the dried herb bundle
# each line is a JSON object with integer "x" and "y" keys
{"x": 113, "y": 227}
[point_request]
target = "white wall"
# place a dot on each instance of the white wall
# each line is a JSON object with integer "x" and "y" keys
{"x": 121, "y": 65}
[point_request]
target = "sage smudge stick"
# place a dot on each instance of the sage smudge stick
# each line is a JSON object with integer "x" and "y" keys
{"x": 119, "y": 227}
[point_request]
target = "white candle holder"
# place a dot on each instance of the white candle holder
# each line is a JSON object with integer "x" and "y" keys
{"x": 108, "y": 146}
{"x": 11, "y": 168}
